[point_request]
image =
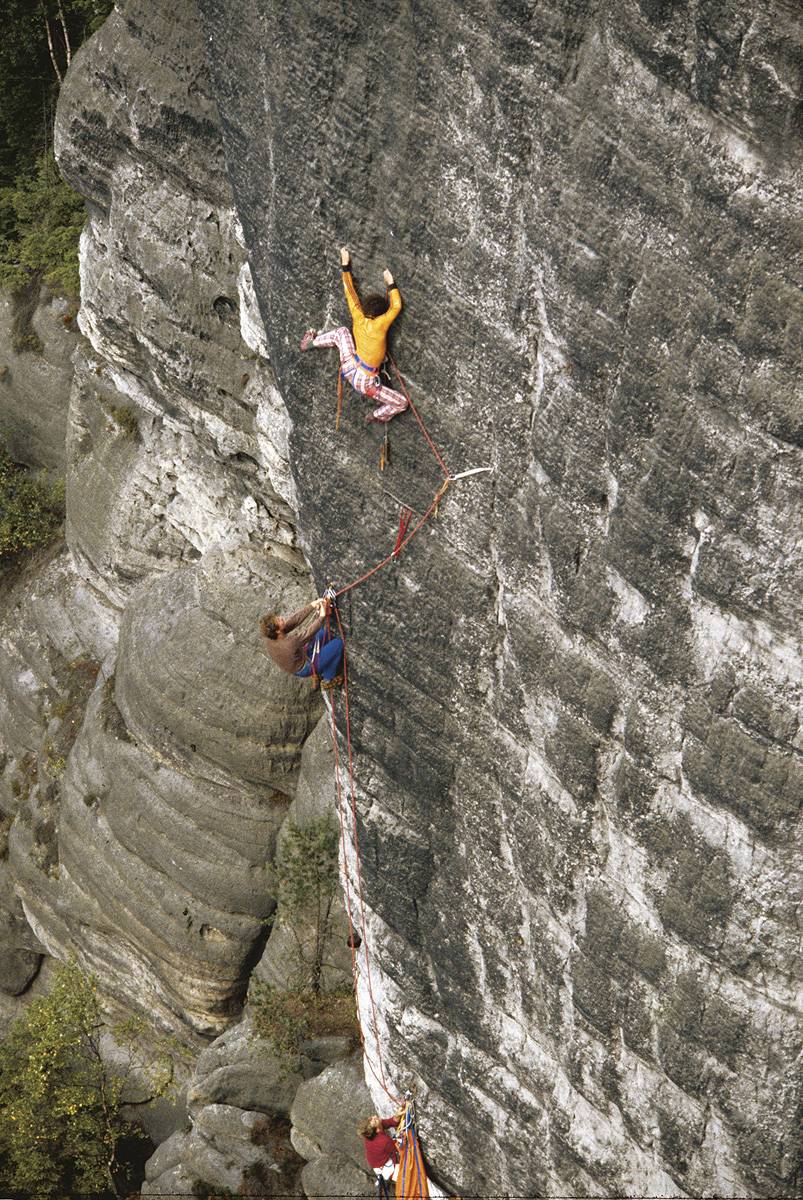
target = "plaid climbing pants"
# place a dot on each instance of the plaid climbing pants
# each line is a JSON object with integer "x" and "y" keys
{"x": 363, "y": 381}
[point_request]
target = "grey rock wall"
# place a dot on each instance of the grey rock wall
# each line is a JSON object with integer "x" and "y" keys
{"x": 141, "y": 808}
{"x": 35, "y": 384}
{"x": 573, "y": 700}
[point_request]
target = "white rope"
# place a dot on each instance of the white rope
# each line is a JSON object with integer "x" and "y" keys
{"x": 465, "y": 474}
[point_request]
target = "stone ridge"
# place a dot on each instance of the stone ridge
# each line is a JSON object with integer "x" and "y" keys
{"x": 572, "y": 699}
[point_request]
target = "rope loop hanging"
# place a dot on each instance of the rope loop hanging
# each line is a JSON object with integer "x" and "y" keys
{"x": 405, "y": 516}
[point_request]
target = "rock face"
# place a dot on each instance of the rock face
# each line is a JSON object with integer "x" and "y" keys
{"x": 325, "y": 1114}
{"x": 149, "y": 751}
{"x": 239, "y": 1099}
{"x": 572, "y": 698}
{"x": 35, "y": 383}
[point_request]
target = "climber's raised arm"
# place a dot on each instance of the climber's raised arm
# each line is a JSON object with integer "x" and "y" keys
{"x": 394, "y": 300}
{"x": 290, "y": 623}
{"x": 352, "y": 299}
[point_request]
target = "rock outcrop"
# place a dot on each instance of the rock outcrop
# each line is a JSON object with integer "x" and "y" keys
{"x": 142, "y": 807}
{"x": 325, "y": 1114}
{"x": 572, "y": 697}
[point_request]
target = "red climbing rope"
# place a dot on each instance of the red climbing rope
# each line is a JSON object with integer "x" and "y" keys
{"x": 399, "y": 547}
{"x": 405, "y": 517}
{"x": 403, "y": 538}
{"x": 415, "y": 413}
{"x": 380, "y": 1078}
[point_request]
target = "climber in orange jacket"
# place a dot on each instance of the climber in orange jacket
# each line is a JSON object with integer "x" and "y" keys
{"x": 362, "y": 354}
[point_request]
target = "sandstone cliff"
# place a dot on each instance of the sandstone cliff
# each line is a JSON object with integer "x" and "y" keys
{"x": 573, "y": 699}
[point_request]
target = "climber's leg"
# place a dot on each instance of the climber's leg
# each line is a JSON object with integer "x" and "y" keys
{"x": 340, "y": 337}
{"x": 330, "y": 659}
{"x": 382, "y": 1185}
{"x": 391, "y": 403}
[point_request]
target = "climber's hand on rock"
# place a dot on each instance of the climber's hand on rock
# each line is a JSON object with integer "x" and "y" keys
{"x": 388, "y": 278}
{"x": 345, "y": 257}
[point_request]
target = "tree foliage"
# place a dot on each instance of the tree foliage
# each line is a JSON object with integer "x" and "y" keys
{"x": 29, "y": 80}
{"x": 31, "y": 509}
{"x": 40, "y": 216}
{"x": 60, "y": 1103}
{"x": 306, "y": 874}
{"x": 288, "y": 1019}
{"x": 41, "y": 219}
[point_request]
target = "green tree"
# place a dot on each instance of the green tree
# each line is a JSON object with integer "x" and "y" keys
{"x": 41, "y": 219}
{"x": 306, "y": 874}
{"x": 60, "y": 1103}
{"x": 40, "y": 216}
{"x": 39, "y": 39}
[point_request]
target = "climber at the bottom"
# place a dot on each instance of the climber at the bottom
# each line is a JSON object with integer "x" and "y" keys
{"x": 362, "y": 354}
{"x": 380, "y": 1150}
{"x": 303, "y": 648}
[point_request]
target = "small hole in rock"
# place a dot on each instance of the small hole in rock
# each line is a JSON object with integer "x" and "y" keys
{"x": 224, "y": 307}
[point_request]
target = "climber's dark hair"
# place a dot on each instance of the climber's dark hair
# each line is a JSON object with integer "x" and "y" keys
{"x": 268, "y": 625}
{"x": 374, "y": 305}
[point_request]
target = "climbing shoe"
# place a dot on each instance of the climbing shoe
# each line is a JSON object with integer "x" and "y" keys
{"x": 308, "y": 339}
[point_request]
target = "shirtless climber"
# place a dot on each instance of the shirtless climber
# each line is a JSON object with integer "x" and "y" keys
{"x": 362, "y": 354}
{"x": 380, "y": 1150}
{"x": 304, "y": 648}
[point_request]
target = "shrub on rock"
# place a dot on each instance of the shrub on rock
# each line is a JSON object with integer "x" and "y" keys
{"x": 31, "y": 509}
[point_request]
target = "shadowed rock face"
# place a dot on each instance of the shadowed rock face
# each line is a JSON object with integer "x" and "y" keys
{"x": 35, "y": 385}
{"x": 141, "y": 808}
{"x": 572, "y": 697}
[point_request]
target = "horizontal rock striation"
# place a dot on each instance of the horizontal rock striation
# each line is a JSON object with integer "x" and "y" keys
{"x": 573, "y": 697}
{"x": 142, "y": 786}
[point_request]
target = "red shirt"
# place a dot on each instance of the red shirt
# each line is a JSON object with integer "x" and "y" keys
{"x": 380, "y": 1147}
